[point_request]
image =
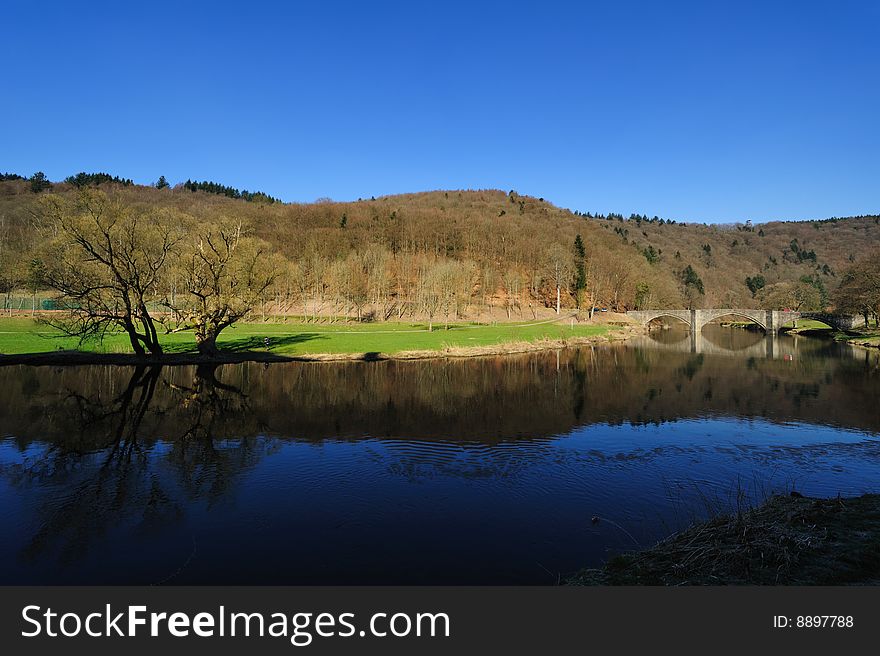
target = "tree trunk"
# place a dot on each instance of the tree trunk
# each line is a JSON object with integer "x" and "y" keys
{"x": 207, "y": 345}
{"x": 136, "y": 345}
{"x": 557, "y": 299}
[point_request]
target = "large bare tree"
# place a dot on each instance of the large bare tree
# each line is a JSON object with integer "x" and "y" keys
{"x": 859, "y": 289}
{"x": 105, "y": 259}
{"x": 223, "y": 276}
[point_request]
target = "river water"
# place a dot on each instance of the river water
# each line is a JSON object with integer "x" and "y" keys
{"x": 473, "y": 471}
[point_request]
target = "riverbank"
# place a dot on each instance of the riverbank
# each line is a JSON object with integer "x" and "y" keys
{"x": 25, "y": 342}
{"x": 787, "y": 540}
{"x": 866, "y": 338}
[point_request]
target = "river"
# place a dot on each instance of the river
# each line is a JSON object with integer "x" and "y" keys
{"x": 498, "y": 470}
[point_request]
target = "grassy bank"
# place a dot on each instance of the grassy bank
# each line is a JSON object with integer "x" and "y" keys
{"x": 810, "y": 325}
{"x": 868, "y": 337}
{"x": 784, "y": 541}
{"x": 23, "y": 336}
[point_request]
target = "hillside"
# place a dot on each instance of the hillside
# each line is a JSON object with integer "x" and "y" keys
{"x": 493, "y": 250}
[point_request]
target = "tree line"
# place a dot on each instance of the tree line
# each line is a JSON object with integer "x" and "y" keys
{"x": 229, "y": 192}
{"x": 441, "y": 256}
{"x": 39, "y": 182}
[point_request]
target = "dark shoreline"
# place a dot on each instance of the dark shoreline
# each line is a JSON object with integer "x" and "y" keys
{"x": 787, "y": 540}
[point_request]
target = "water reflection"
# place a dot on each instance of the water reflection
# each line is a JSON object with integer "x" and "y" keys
{"x": 467, "y": 471}
{"x": 717, "y": 340}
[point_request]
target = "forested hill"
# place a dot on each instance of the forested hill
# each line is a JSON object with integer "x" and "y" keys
{"x": 499, "y": 248}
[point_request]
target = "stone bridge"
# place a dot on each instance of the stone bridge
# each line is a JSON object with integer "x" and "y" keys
{"x": 770, "y": 320}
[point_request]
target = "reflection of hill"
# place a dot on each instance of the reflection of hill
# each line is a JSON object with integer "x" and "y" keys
{"x": 106, "y": 457}
{"x": 487, "y": 399}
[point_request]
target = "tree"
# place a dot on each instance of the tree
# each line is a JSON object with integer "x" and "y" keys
{"x": 376, "y": 267}
{"x": 800, "y": 295}
{"x": 348, "y": 282}
{"x": 36, "y": 274}
{"x": 162, "y": 183}
{"x": 859, "y": 289}
{"x": 558, "y": 267}
{"x": 580, "y": 272}
{"x": 429, "y": 292}
{"x": 39, "y": 182}
{"x": 456, "y": 283}
{"x": 643, "y": 293}
{"x": 224, "y": 274}
{"x": 512, "y": 281}
{"x": 755, "y": 283}
{"x": 105, "y": 260}
{"x": 692, "y": 284}
{"x": 12, "y": 275}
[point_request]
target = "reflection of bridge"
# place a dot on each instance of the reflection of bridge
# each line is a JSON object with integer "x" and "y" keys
{"x": 771, "y": 347}
{"x": 766, "y": 347}
{"x": 770, "y": 320}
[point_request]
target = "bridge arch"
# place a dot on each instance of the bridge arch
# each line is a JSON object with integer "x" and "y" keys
{"x": 791, "y": 323}
{"x": 647, "y": 316}
{"x": 758, "y": 317}
{"x": 839, "y": 321}
{"x": 667, "y": 315}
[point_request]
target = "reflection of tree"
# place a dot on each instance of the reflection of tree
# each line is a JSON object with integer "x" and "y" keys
{"x": 117, "y": 421}
{"x": 206, "y": 460}
{"x": 102, "y": 483}
{"x": 114, "y": 476}
{"x": 207, "y": 401}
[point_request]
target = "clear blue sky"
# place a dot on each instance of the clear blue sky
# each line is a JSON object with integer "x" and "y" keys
{"x": 713, "y": 111}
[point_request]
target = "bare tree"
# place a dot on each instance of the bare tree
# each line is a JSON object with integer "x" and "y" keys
{"x": 106, "y": 260}
{"x": 224, "y": 276}
{"x": 454, "y": 283}
{"x": 376, "y": 268}
{"x": 429, "y": 292}
{"x": 859, "y": 289}
{"x": 559, "y": 266}
{"x": 512, "y": 281}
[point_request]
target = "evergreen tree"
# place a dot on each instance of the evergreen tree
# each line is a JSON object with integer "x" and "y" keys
{"x": 39, "y": 182}
{"x": 580, "y": 273}
{"x": 692, "y": 284}
{"x": 755, "y": 284}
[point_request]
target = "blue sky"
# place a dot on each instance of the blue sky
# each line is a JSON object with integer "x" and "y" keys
{"x": 712, "y": 111}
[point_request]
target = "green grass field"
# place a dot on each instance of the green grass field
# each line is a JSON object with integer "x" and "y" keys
{"x": 863, "y": 337}
{"x": 809, "y": 324}
{"x": 23, "y": 335}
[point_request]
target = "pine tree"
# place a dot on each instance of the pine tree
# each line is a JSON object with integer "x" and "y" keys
{"x": 580, "y": 274}
{"x": 39, "y": 182}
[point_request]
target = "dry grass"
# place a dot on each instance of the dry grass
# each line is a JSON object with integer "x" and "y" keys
{"x": 784, "y": 541}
